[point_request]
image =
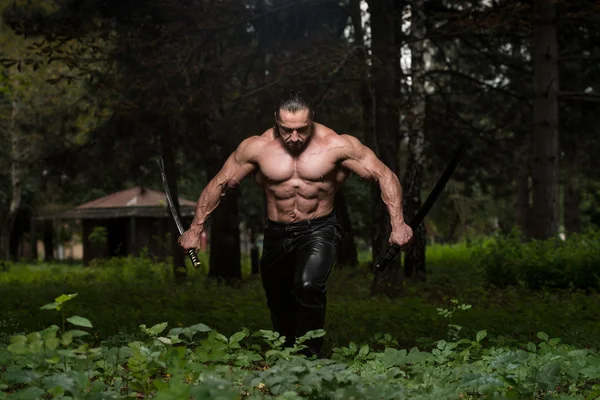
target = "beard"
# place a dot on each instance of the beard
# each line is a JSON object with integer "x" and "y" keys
{"x": 295, "y": 147}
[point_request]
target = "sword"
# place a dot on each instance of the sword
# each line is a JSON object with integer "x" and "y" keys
{"x": 393, "y": 251}
{"x": 191, "y": 252}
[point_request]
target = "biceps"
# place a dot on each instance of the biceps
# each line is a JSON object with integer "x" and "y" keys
{"x": 368, "y": 166}
{"x": 233, "y": 172}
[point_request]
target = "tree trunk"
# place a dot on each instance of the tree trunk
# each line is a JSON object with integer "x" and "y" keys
{"x": 452, "y": 230}
{"x": 368, "y": 111}
{"x": 254, "y": 254}
{"x": 15, "y": 181}
{"x": 522, "y": 128}
{"x": 572, "y": 182}
{"x": 414, "y": 259}
{"x": 572, "y": 202}
{"x": 346, "y": 254}
{"x": 33, "y": 238}
{"x": 225, "y": 253}
{"x": 545, "y": 222}
{"x": 49, "y": 240}
{"x": 385, "y": 63}
{"x": 178, "y": 255}
{"x": 255, "y": 225}
{"x": 16, "y": 236}
{"x": 522, "y": 205}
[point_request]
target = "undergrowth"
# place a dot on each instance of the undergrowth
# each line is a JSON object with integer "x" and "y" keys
{"x": 197, "y": 362}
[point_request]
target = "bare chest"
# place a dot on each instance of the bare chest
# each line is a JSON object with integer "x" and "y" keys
{"x": 314, "y": 164}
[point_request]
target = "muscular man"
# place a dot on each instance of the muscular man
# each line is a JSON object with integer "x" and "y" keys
{"x": 300, "y": 164}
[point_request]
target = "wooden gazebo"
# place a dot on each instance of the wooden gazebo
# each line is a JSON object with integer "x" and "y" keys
{"x": 127, "y": 222}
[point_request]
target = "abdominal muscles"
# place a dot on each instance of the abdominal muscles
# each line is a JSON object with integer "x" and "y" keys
{"x": 298, "y": 199}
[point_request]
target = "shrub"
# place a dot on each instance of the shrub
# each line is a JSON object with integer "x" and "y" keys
{"x": 536, "y": 264}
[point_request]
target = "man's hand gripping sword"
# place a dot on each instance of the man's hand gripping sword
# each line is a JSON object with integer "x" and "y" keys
{"x": 393, "y": 251}
{"x": 191, "y": 252}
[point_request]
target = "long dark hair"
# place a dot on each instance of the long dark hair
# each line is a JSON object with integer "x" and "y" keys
{"x": 292, "y": 101}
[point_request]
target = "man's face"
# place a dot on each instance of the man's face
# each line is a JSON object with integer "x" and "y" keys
{"x": 295, "y": 129}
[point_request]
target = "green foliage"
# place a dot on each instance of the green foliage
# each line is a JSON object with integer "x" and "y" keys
{"x": 453, "y": 329}
{"x": 99, "y": 235}
{"x": 119, "y": 294}
{"x": 573, "y": 263}
{"x": 199, "y": 362}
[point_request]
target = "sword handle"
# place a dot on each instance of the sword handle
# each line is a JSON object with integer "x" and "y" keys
{"x": 194, "y": 258}
{"x": 391, "y": 253}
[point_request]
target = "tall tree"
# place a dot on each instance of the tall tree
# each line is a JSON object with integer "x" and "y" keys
{"x": 385, "y": 64}
{"x": 546, "y": 221}
{"x": 414, "y": 260}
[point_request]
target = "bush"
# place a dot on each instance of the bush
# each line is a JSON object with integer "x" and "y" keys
{"x": 536, "y": 264}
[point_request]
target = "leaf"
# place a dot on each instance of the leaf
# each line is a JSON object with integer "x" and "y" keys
{"x": 221, "y": 338}
{"x": 481, "y": 335}
{"x": 77, "y": 333}
{"x": 62, "y": 380}
{"x": 238, "y": 337}
{"x": 52, "y": 344}
{"x": 353, "y": 347}
{"x": 200, "y": 328}
{"x": 164, "y": 340}
{"x": 30, "y": 393}
{"x": 155, "y": 330}
{"x": 80, "y": 321}
{"x": 578, "y": 353}
{"x": 67, "y": 339}
{"x": 65, "y": 297}
{"x": 22, "y": 376}
{"x": 175, "y": 332}
{"x": 49, "y": 332}
{"x": 50, "y": 306}
{"x": 393, "y": 357}
{"x": 554, "y": 341}
{"x": 364, "y": 350}
{"x": 17, "y": 347}
{"x": 543, "y": 336}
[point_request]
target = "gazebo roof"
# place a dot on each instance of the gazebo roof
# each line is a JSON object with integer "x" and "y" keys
{"x": 133, "y": 202}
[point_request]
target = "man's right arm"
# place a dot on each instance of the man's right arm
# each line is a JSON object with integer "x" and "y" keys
{"x": 238, "y": 166}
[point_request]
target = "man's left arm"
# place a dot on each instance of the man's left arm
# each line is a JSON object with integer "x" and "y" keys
{"x": 361, "y": 160}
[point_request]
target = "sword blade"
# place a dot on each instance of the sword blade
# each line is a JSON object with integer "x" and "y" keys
{"x": 191, "y": 252}
{"x": 393, "y": 251}
{"x": 169, "y": 198}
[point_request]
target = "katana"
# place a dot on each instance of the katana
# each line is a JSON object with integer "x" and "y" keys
{"x": 393, "y": 251}
{"x": 191, "y": 252}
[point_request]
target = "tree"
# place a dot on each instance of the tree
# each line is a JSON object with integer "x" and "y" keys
{"x": 35, "y": 118}
{"x": 414, "y": 261}
{"x": 385, "y": 61}
{"x": 545, "y": 147}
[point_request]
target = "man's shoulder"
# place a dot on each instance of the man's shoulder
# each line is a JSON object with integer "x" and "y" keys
{"x": 250, "y": 147}
{"x": 334, "y": 139}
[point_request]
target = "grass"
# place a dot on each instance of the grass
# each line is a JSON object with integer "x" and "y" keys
{"x": 476, "y": 338}
{"x": 120, "y": 294}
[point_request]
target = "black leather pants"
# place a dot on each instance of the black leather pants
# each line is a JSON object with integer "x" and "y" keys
{"x": 296, "y": 261}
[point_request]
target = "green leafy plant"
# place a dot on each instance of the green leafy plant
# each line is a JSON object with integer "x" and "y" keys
{"x": 98, "y": 236}
{"x": 448, "y": 313}
{"x": 196, "y": 361}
